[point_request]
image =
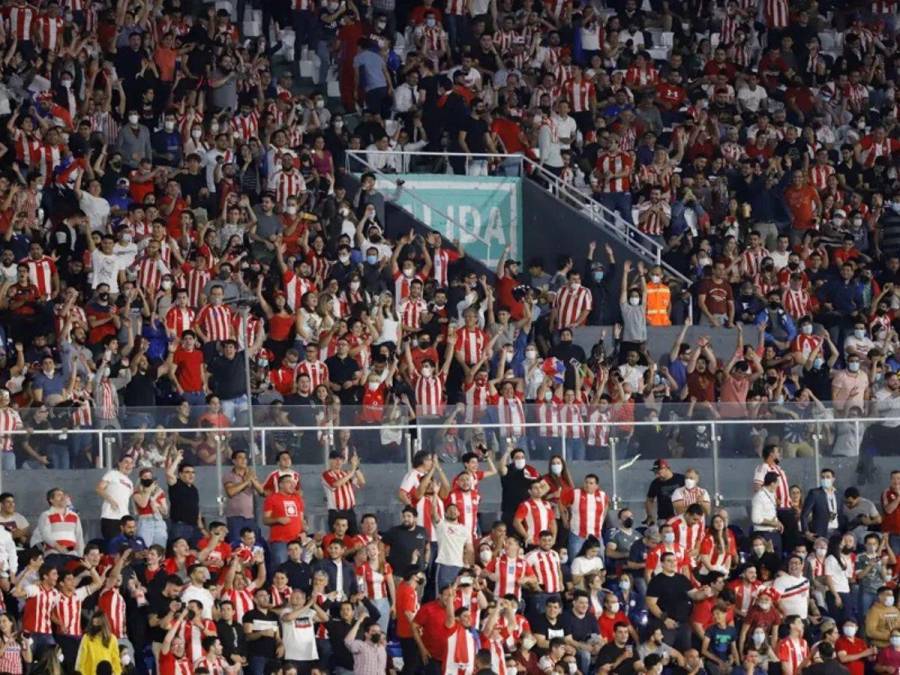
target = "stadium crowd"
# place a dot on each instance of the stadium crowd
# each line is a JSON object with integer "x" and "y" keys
{"x": 182, "y": 237}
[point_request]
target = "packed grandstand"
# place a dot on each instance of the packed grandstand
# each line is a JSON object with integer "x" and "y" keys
{"x": 205, "y": 272}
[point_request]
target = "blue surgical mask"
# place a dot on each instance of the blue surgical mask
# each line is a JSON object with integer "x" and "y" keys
{"x": 818, "y": 362}
{"x": 598, "y": 277}
{"x": 371, "y": 259}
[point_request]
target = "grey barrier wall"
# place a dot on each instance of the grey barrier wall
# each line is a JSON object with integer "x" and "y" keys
{"x": 660, "y": 340}
{"x": 379, "y": 496}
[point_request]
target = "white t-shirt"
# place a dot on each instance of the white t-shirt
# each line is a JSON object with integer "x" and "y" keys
{"x": 120, "y": 488}
{"x": 201, "y": 595}
{"x": 96, "y": 209}
{"x": 793, "y": 593}
{"x": 126, "y": 252}
{"x": 299, "y": 637}
{"x": 582, "y": 566}
{"x": 451, "y": 540}
{"x": 838, "y": 575}
{"x": 751, "y": 100}
{"x": 105, "y": 270}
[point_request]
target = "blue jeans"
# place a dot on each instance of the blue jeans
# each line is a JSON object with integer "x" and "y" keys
{"x": 618, "y": 202}
{"x": 238, "y": 523}
{"x": 574, "y": 545}
{"x": 278, "y": 552}
{"x": 186, "y": 531}
{"x": 444, "y": 576}
{"x": 153, "y": 531}
{"x": 865, "y": 602}
{"x": 232, "y": 406}
{"x": 323, "y": 51}
{"x": 258, "y": 665}
{"x": 194, "y": 398}
{"x": 574, "y": 449}
{"x": 59, "y": 456}
{"x": 383, "y": 605}
{"x": 8, "y": 461}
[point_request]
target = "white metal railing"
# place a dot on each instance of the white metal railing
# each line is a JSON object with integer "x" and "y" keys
{"x": 600, "y": 215}
{"x": 106, "y": 438}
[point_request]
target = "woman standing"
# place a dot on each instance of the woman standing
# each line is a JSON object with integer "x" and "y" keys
{"x": 15, "y": 651}
{"x": 376, "y": 580}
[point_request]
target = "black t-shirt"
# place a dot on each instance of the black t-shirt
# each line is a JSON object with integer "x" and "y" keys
{"x": 158, "y": 604}
{"x": 140, "y": 392}
{"x": 671, "y": 593}
{"x": 514, "y": 486}
{"x": 661, "y": 491}
{"x": 340, "y": 371}
{"x": 228, "y": 376}
{"x": 580, "y": 629}
{"x": 403, "y": 542}
{"x": 191, "y": 184}
{"x": 299, "y": 574}
{"x": 185, "y": 503}
{"x": 259, "y": 621}
{"x": 475, "y": 130}
{"x": 232, "y": 638}
{"x": 541, "y": 626}
{"x": 610, "y": 654}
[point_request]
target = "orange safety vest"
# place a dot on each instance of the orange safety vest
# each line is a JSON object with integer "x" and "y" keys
{"x": 658, "y": 304}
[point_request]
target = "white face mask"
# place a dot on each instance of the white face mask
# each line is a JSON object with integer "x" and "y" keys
{"x": 624, "y": 585}
{"x": 758, "y": 637}
{"x": 759, "y": 550}
{"x": 66, "y": 83}
{"x": 373, "y": 386}
{"x": 850, "y": 631}
{"x": 519, "y": 463}
{"x": 196, "y": 134}
{"x": 291, "y": 210}
{"x": 614, "y": 607}
{"x": 669, "y": 537}
{"x": 427, "y": 371}
{"x": 486, "y": 555}
{"x": 853, "y": 366}
{"x": 655, "y": 278}
{"x": 133, "y": 120}
{"x": 531, "y": 354}
{"x": 214, "y": 127}
{"x": 895, "y": 641}
{"x": 820, "y": 552}
{"x": 166, "y": 284}
{"x": 690, "y": 483}
{"x": 889, "y": 601}
{"x": 320, "y": 103}
{"x": 634, "y": 301}
{"x": 556, "y": 469}
{"x": 827, "y": 483}
{"x": 548, "y": 396}
{"x": 344, "y": 257}
{"x": 169, "y": 125}
{"x": 354, "y": 285}
{"x": 126, "y": 238}
{"x": 408, "y": 272}
{"x": 807, "y": 329}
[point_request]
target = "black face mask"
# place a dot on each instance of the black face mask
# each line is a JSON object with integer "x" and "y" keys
{"x": 147, "y": 482}
{"x": 103, "y": 296}
{"x": 628, "y": 523}
{"x": 376, "y": 638}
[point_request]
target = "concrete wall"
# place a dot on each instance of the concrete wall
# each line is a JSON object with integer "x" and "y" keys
{"x": 379, "y": 496}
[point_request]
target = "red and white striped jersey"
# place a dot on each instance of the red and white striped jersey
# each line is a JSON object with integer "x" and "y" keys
{"x": 338, "y": 498}
{"x": 215, "y": 322}
{"x": 49, "y": 156}
{"x": 246, "y": 330}
{"x": 150, "y": 273}
{"x": 776, "y": 13}
{"x": 246, "y": 126}
{"x": 562, "y": 73}
{"x": 429, "y": 395}
{"x": 872, "y": 149}
{"x": 411, "y": 313}
{"x": 286, "y": 184}
{"x": 242, "y": 600}
{"x": 372, "y": 582}
{"x": 656, "y": 175}
{"x": 511, "y": 415}
{"x": 536, "y": 516}
{"x": 68, "y": 612}
{"x": 580, "y": 95}
{"x": 571, "y": 417}
{"x": 687, "y": 536}
{"x": 477, "y": 400}
{"x": 818, "y": 175}
{"x": 782, "y": 488}
{"x": 598, "y": 428}
{"x": 510, "y": 572}
{"x": 81, "y": 410}
{"x": 587, "y": 511}
{"x": 304, "y": 5}
{"x": 280, "y": 595}
{"x": 570, "y": 304}
{"x": 41, "y": 273}
{"x": 28, "y": 147}
{"x": 503, "y": 40}
{"x": 112, "y": 604}
{"x": 654, "y": 557}
{"x": 40, "y": 603}
{"x": 194, "y": 282}
{"x": 729, "y": 26}
{"x": 471, "y": 342}
{"x": 456, "y": 7}
{"x": 441, "y": 259}
{"x": 215, "y": 665}
{"x": 109, "y": 401}
{"x": 20, "y": 19}
{"x": 317, "y": 371}
{"x": 498, "y": 655}
{"x": 434, "y": 39}
{"x": 751, "y": 261}
{"x": 548, "y": 416}
{"x": 546, "y": 567}
{"x": 652, "y": 221}
{"x": 641, "y": 77}
{"x": 401, "y": 286}
{"x": 9, "y": 421}
{"x": 426, "y": 508}
{"x": 796, "y": 303}
{"x": 467, "y": 505}
{"x": 613, "y": 162}
{"x": 49, "y": 30}
{"x": 791, "y": 650}
{"x": 63, "y": 529}
{"x": 295, "y": 288}
{"x": 179, "y": 319}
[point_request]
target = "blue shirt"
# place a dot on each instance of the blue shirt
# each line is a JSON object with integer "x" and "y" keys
{"x": 135, "y": 543}
{"x": 371, "y": 67}
{"x": 845, "y": 296}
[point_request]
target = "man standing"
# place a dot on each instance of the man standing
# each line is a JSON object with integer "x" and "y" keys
{"x": 283, "y": 513}
{"x": 764, "y": 513}
{"x": 670, "y": 597}
{"x": 184, "y": 499}
{"x": 659, "y": 495}
{"x": 534, "y": 515}
{"x": 587, "y": 511}
{"x": 454, "y": 545}
{"x": 340, "y": 489}
{"x": 890, "y": 502}
{"x": 820, "y": 515}
{"x": 240, "y": 484}
{"x": 115, "y": 489}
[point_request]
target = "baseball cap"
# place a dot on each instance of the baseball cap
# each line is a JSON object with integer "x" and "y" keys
{"x": 660, "y": 464}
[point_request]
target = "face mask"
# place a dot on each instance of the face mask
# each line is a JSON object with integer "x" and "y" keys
{"x": 169, "y": 125}
{"x": 146, "y": 482}
{"x": 827, "y": 483}
{"x": 669, "y": 537}
{"x": 598, "y": 277}
{"x": 634, "y": 301}
{"x": 214, "y": 127}
{"x": 66, "y": 83}
{"x": 344, "y": 258}
{"x": 758, "y": 637}
{"x": 408, "y": 272}
{"x": 427, "y": 371}
{"x": 430, "y": 22}
{"x": 373, "y": 386}
{"x": 354, "y": 285}
{"x": 530, "y": 354}
{"x": 376, "y": 638}
{"x": 564, "y": 557}
{"x": 820, "y": 552}
{"x": 690, "y": 483}
{"x": 291, "y": 210}
{"x": 853, "y": 367}
{"x": 548, "y": 396}
{"x": 655, "y": 278}
{"x": 519, "y": 463}
{"x": 807, "y": 329}
{"x": 859, "y": 333}
{"x": 125, "y": 658}
{"x": 556, "y": 469}
{"x": 889, "y": 602}
{"x": 624, "y": 585}
{"x": 573, "y": 667}
{"x": 371, "y": 259}
{"x": 818, "y": 362}
{"x": 196, "y": 134}
{"x": 895, "y": 641}
{"x": 166, "y": 284}
{"x": 575, "y": 284}
{"x": 485, "y": 555}
{"x": 759, "y": 550}
{"x": 133, "y": 120}
{"x": 614, "y": 607}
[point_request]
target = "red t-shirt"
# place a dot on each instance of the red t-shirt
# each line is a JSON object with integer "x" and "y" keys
{"x": 801, "y": 203}
{"x": 431, "y": 618}
{"x": 852, "y": 646}
{"x": 280, "y": 505}
{"x": 280, "y": 327}
{"x": 188, "y": 369}
{"x": 407, "y": 601}
{"x": 170, "y": 665}
{"x": 607, "y": 624}
{"x": 508, "y": 131}
{"x": 505, "y": 297}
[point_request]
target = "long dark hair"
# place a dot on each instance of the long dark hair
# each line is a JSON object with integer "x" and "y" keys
{"x": 834, "y": 549}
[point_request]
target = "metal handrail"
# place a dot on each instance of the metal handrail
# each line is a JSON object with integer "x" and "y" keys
{"x": 358, "y": 155}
